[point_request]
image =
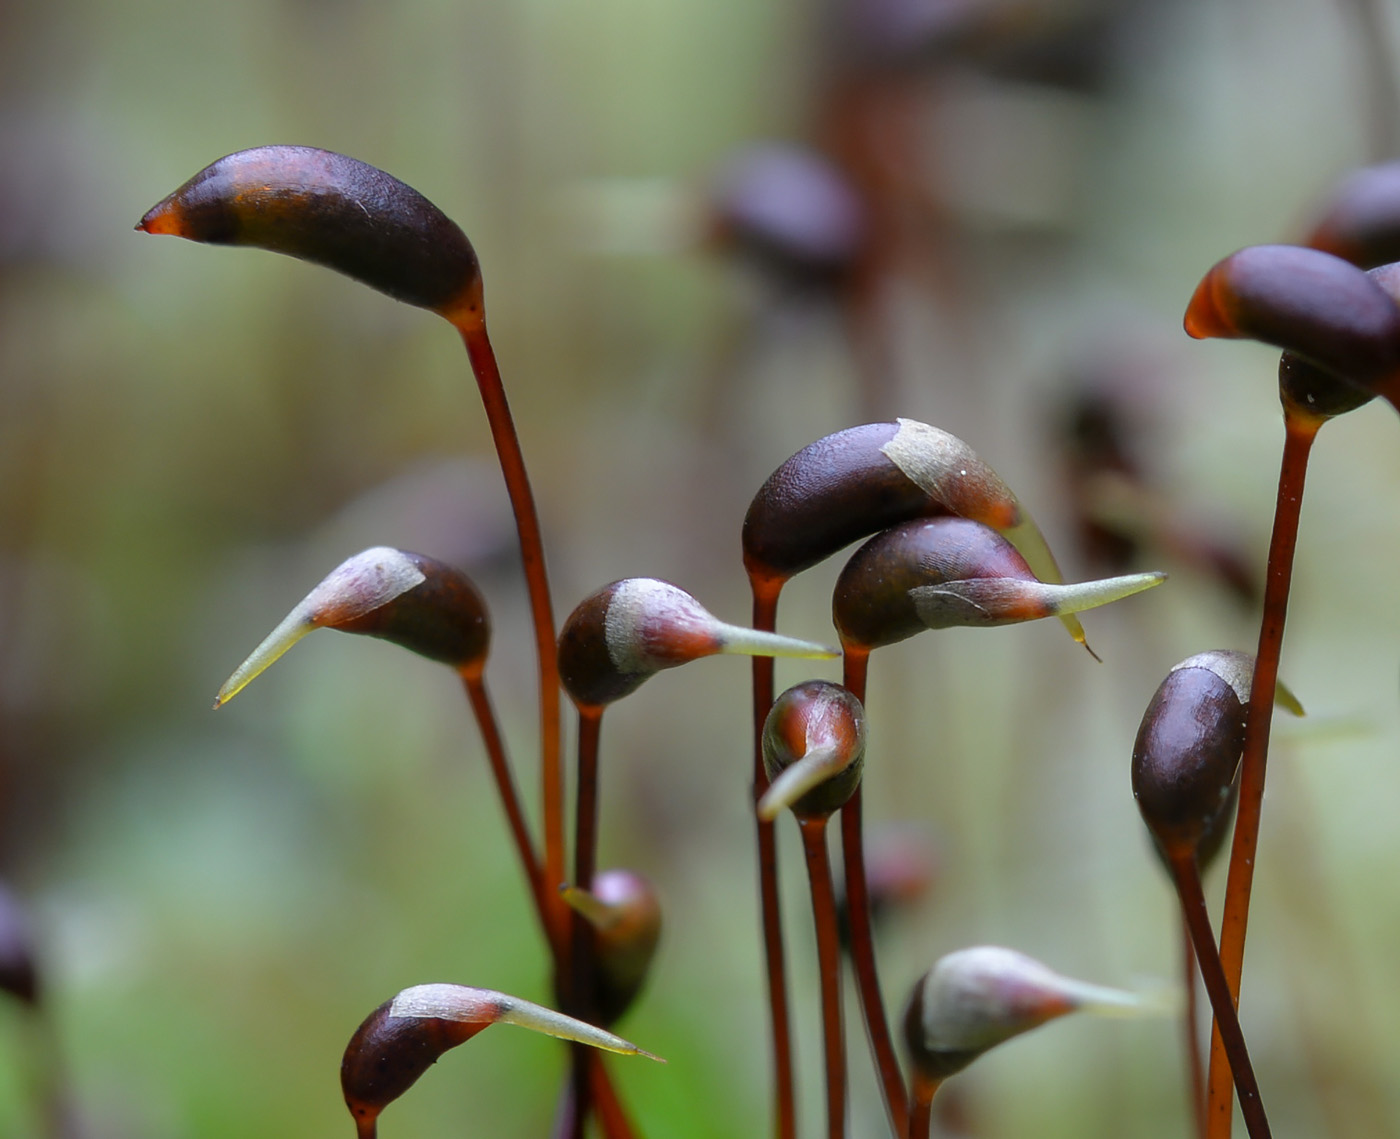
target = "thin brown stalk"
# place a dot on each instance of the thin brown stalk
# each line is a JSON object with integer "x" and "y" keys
{"x": 829, "y": 964}
{"x": 581, "y": 981}
{"x": 1193, "y": 908}
{"x": 493, "y": 397}
{"x": 612, "y": 1116}
{"x": 580, "y": 1066}
{"x": 475, "y": 686}
{"x": 570, "y": 1121}
{"x": 590, "y": 723}
{"x": 579, "y": 987}
{"x": 567, "y": 1120}
{"x": 1190, "y": 1024}
{"x": 862, "y": 937}
{"x": 1299, "y": 433}
{"x": 589, "y": 1090}
{"x": 765, "y": 616}
{"x": 921, "y": 1111}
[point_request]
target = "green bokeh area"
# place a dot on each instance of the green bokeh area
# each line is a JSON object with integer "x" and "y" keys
{"x": 191, "y": 437}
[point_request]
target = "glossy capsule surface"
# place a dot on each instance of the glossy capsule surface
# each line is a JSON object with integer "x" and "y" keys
{"x": 1187, "y": 753}
{"x": 626, "y": 916}
{"x": 388, "y": 1054}
{"x": 790, "y": 211}
{"x": 817, "y": 715}
{"x": 336, "y": 211}
{"x": 1361, "y": 222}
{"x": 19, "y": 973}
{"x": 1307, "y": 388}
{"x": 629, "y": 630}
{"x": 1304, "y": 301}
{"x": 859, "y": 481}
{"x": 974, "y": 999}
{"x": 442, "y": 618}
{"x": 875, "y": 602}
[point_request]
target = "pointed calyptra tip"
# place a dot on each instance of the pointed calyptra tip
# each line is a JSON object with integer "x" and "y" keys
{"x": 1079, "y": 596}
{"x": 537, "y": 1018}
{"x": 974, "y": 999}
{"x": 793, "y": 782}
{"x": 1006, "y": 600}
{"x": 737, "y": 639}
{"x": 404, "y": 1037}
{"x": 1284, "y": 698}
{"x": 937, "y": 573}
{"x": 292, "y": 628}
{"x": 355, "y": 588}
{"x": 626, "y": 632}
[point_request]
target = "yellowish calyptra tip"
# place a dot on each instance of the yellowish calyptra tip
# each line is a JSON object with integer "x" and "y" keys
{"x": 359, "y": 585}
{"x": 798, "y": 778}
{"x": 742, "y": 641}
{"x": 590, "y": 906}
{"x": 294, "y": 626}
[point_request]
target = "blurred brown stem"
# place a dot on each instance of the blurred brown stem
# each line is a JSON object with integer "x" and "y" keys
{"x": 1299, "y": 433}
{"x": 921, "y": 1111}
{"x": 1190, "y": 1023}
{"x": 522, "y": 501}
{"x": 829, "y": 966}
{"x": 862, "y": 936}
{"x": 1193, "y": 907}
{"x": 765, "y": 616}
{"x": 475, "y": 686}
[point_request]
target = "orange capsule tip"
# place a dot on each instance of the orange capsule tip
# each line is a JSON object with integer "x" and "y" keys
{"x": 1204, "y": 319}
{"x": 161, "y": 219}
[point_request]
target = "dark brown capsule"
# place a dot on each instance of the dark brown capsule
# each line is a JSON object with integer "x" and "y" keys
{"x": 403, "y": 1037}
{"x": 862, "y": 480}
{"x": 388, "y": 1054}
{"x": 1304, "y": 301}
{"x": 974, "y": 999}
{"x": 1308, "y": 389}
{"x": 442, "y": 618}
{"x": 19, "y": 972}
{"x": 1212, "y": 840}
{"x": 323, "y": 207}
{"x": 417, "y": 602}
{"x": 1099, "y": 437}
{"x": 813, "y": 750}
{"x": 625, "y": 914}
{"x": 1361, "y": 222}
{"x": 936, "y": 573}
{"x": 629, "y": 630}
{"x": 791, "y": 212}
{"x": 1188, "y": 749}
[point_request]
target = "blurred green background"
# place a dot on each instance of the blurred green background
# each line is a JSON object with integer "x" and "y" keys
{"x": 190, "y": 438}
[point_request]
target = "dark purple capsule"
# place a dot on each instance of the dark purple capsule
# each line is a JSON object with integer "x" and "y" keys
{"x": 323, "y": 207}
